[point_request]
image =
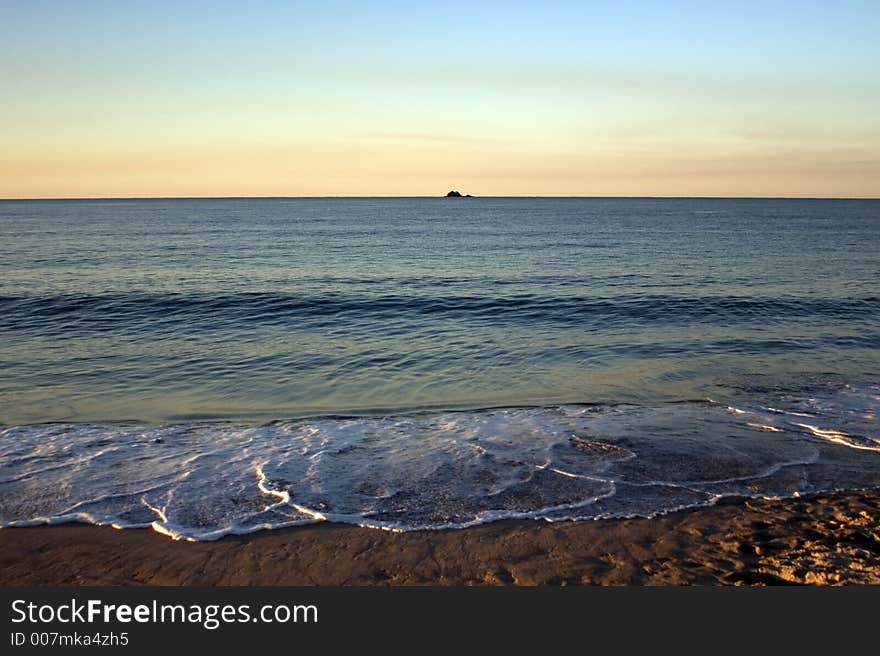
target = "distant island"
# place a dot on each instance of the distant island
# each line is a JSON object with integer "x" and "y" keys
{"x": 455, "y": 194}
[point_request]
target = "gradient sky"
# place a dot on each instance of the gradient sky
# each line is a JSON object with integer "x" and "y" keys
{"x": 116, "y": 98}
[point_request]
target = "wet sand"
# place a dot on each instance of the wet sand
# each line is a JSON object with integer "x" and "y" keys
{"x": 828, "y": 539}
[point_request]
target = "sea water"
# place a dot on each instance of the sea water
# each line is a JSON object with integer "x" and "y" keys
{"x": 207, "y": 366}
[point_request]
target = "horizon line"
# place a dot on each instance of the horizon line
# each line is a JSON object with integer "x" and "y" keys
{"x": 341, "y": 197}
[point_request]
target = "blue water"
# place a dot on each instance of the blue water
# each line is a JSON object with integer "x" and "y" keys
{"x": 431, "y": 362}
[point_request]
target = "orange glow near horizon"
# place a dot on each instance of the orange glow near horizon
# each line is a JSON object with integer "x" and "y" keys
{"x": 354, "y": 170}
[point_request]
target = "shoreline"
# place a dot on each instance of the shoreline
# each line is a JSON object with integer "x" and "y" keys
{"x": 829, "y": 538}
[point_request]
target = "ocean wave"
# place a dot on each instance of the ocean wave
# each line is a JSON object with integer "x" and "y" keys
{"x": 104, "y": 312}
{"x": 432, "y": 470}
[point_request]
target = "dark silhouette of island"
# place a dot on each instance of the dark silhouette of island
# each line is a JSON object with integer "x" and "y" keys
{"x": 455, "y": 194}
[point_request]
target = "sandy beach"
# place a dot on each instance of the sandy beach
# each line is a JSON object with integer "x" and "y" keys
{"x": 828, "y": 539}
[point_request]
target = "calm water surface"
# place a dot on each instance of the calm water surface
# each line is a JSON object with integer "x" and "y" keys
{"x": 215, "y": 366}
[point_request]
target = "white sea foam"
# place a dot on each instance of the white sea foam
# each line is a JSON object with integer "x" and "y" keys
{"x": 200, "y": 481}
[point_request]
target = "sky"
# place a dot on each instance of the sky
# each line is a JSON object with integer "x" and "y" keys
{"x": 148, "y": 99}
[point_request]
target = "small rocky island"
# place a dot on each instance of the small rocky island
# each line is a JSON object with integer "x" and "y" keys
{"x": 456, "y": 194}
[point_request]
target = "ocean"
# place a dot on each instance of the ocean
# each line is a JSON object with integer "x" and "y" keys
{"x": 216, "y": 366}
